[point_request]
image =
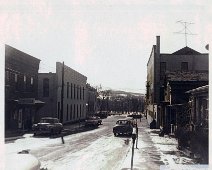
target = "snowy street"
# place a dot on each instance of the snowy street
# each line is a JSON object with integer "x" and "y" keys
{"x": 99, "y": 149}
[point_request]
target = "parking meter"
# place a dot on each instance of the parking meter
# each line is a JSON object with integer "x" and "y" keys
{"x": 133, "y": 140}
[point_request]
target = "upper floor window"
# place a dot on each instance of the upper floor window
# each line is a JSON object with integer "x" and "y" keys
{"x": 77, "y": 92}
{"x": 31, "y": 81}
{"x": 71, "y": 90}
{"x": 46, "y": 87}
{"x": 83, "y": 93}
{"x": 184, "y": 66}
{"x": 74, "y": 91}
{"x": 24, "y": 78}
{"x": 16, "y": 77}
{"x": 67, "y": 89}
{"x": 80, "y": 93}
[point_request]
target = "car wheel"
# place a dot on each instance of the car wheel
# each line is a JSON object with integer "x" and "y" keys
{"x": 115, "y": 134}
{"x": 35, "y": 133}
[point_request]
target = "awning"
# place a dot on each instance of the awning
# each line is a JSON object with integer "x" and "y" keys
{"x": 27, "y": 101}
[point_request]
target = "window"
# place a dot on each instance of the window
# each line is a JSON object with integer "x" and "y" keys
{"x": 46, "y": 87}
{"x": 24, "y": 85}
{"x": 31, "y": 81}
{"x": 71, "y": 91}
{"x": 83, "y": 93}
{"x": 67, "y": 112}
{"x": 184, "y": 66}
{"x": 24, "y": 78}
{"x": 74, "y": 111}
{"x": 70, "y": 111}
{"x": 74, "y": 91}
{"x": 67, "y": 89}
{"x": 77, "y": 92}
{"x": 16, "y": 77}
{"x": 80, "y": 93}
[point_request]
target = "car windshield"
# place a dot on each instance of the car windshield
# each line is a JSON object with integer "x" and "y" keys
{"x": 48, "y": 121}
{"x": 122, "y": 122}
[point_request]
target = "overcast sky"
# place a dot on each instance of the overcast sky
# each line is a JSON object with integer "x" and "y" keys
{"x": 107, "y": 41}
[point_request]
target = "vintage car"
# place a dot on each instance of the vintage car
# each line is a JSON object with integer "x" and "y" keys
{"x": 124, "y": 126}
{"x": 135, "y": 115}
{"x": 102, "y": 114}
{"x": 93, "y": 121}
{"x": 48, "y": 125}
{"x": 99, "y": 120}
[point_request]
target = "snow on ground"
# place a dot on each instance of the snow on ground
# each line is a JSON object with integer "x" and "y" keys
{"x": 101, "y": 154}
{"x": 105, "y": 152}
{"x": 167, "y": 146}
{"x": 29, "y": 142}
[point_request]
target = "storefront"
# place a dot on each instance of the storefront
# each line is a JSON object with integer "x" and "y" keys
{"x": 22, "y": 113}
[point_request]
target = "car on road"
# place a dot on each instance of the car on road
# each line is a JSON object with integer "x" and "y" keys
{"x": 93, "y": 121}
{"x": 135, "y": 116}
{"x": 102, "y": 114}
{"x": 48, "y": 125}
{"x": 124, "y": 126}
{"x": 99, "y": 120}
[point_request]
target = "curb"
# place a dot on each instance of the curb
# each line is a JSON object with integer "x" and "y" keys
{"x": 13, "y": 138}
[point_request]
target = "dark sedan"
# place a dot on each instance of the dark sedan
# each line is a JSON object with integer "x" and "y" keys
{"x": 123, "y": 126}
{"x": 47, "y": 125}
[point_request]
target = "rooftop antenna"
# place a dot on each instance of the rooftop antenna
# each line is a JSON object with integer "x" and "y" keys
{"x": 185, "y": 30}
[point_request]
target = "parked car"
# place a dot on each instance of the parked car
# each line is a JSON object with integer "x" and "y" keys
{"x": 135, "y": 116}
{"x": 92, "y": 121}
{"x": 22, "y": 161}
{"x": 48, "y": 125}
{"x": 99, "y": 120}
{"x": 124, "y": 126}
{"x": 102, "y": 114}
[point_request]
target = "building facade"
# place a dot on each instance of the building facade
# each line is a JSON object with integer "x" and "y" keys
{"x": 64, "y": 93}
{"x": 91, "y": 105}
{"x": 183, "y": 60}
{"x": 21, "y": 87}
{"x": 176, "y": 99}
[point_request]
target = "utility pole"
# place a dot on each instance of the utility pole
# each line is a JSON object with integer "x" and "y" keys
{"x": 62, "y": 95}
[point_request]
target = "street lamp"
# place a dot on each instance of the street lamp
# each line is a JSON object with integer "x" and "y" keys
{"x": 86, "y": 109}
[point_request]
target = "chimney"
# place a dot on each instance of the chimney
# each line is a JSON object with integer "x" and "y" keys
{"x": 158, "y": 45}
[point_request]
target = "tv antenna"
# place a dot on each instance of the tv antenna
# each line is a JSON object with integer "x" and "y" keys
{"x": 185, "y": 30}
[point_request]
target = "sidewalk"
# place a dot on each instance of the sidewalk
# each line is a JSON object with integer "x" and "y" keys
{"x": 154, "y": 151}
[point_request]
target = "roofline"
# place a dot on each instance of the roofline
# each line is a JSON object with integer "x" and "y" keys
{"x": 199, "y": 89}
{"x": 21, "y": 52}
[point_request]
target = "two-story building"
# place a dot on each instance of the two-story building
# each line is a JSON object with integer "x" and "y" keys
{"x": 64, "y": 93}
{"x": 21, "y": 86}
{"x": 183, "y": 60}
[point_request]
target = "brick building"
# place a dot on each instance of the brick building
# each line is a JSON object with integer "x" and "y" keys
{"x": 183, "y": 60}
{"x": 74, "y": 94}
{"x": 21, "y": 85}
